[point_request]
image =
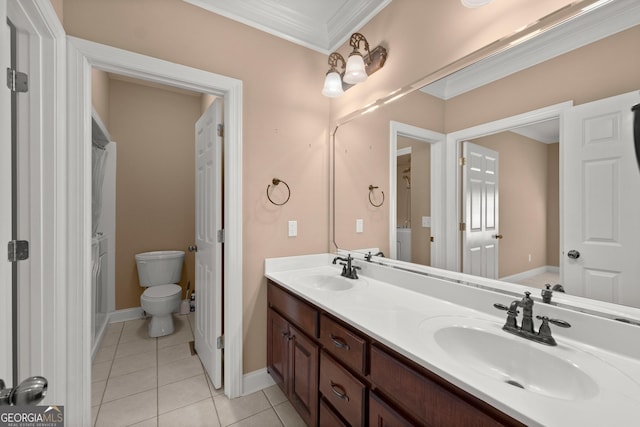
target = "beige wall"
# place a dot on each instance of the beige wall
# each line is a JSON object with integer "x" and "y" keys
{"x": 285, "y": 124}
{"x": 155, "y": 179}
{"x": 100, "y": 94}
{"x": 524, "y": 206}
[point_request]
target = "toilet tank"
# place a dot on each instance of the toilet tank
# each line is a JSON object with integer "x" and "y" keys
{"x": 159, "y": 267}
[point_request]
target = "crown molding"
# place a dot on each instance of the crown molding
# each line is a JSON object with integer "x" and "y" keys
{"x": 321, "y": 26}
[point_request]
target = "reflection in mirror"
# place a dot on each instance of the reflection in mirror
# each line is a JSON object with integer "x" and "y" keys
{"x": 533, "y": 208}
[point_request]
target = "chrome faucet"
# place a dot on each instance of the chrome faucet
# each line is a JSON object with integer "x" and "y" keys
{"x": 348, "y": 271}
{"x": 526, "y": 329}
{"x": 368, "y": 256}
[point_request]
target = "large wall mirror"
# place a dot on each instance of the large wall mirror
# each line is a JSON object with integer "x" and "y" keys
{"x": 483, "y": 172}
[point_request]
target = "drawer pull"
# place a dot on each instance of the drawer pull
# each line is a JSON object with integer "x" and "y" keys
{"x": 339, "y": 391}
{"x": 339, "y": 342}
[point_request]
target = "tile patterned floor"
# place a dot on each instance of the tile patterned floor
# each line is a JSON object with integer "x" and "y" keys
{"x": 541, "y": 279}
{"x": 156, "y": 382}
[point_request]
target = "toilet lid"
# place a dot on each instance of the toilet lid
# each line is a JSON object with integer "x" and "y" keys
{"x": 162, "y": 291}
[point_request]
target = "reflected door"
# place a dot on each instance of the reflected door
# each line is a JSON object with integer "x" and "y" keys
{"x": 209, "y": 253}
{"x": 601, "y": 219}
{"x": 480, "y": 206}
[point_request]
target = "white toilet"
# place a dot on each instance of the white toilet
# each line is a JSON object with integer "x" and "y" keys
{"x": 159, "y": 272}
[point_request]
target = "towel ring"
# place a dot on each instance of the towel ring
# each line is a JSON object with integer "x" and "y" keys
{"x": 276, "y": 181}
{"x": 371, "y": 188}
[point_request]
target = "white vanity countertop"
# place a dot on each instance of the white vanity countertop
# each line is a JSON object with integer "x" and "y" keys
{"x": 403, "y": 316}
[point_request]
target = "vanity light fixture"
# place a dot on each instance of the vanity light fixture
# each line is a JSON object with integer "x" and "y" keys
{"x": 333, "y": 80}
{"x": 356, "y": 69}
{"x": 475, "y": 3}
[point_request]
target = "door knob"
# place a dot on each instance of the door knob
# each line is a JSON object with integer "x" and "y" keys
{"x": 573, "y": 254}
{"x": 497, "y": 236}
{"x": 193, "y": 248}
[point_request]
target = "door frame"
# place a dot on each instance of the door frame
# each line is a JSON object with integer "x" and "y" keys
{"x": 82, "y": 55}
{"x": 436, "y": 140}
{"x": 46, "y": 126}
{"x": 453, "y": 191}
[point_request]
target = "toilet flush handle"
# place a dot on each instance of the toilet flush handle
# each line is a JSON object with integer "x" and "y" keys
{"x": 193, "y": 248}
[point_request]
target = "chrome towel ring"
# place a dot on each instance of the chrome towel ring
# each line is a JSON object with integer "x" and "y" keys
{"x": 371, "y": 188}
{"x": 276, "y": 181}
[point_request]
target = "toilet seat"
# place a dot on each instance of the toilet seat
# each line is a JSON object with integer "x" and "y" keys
{"x": 162, "y": 291}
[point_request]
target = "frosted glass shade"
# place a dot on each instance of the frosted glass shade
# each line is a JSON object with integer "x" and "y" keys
{"x": 475, "y": 3}
{"x": 332, "y": 85}
{"x": 355, "y": 71}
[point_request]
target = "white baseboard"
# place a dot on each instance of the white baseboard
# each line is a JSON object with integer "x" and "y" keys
{"x": 126, "y": 314}
{"x": 531, "y": 273}
{"x": 255, "y": 381}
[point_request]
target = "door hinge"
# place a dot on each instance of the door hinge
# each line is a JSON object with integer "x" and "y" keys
{"x": 463, "y": 226}
{"x": 220, "y": 342}
{"x": 463, "y": 161}
{"x": 221, "y": 130}
{"x": 18, "y": 250}
{"x": 17, "y": 81}
{"x": 221, "y": 236}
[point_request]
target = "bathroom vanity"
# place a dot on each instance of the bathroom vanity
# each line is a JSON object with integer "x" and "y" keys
{"x": 395, "y": 347}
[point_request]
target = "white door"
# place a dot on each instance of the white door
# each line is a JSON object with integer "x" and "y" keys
{"x": 601, "y": 189}
{"x": 6, "y": 370}
{"x": 480, "y": 206}
{"x": 209, "y": 253}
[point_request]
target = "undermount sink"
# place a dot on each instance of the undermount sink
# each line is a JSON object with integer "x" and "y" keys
{"x": 327, "y": 282}
{"x": 481, "y": 346}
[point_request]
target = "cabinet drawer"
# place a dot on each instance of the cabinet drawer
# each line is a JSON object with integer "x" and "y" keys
{"x": 296, "y": 311}
{"x": 344, "y": 391}
{"x": 345, "y": 345}
{"x": 430, "y": 399}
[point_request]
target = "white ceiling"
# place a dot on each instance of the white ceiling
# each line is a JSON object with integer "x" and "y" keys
{"x": 322, "y": 25}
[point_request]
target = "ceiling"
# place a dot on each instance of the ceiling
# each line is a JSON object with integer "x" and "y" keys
{"x": 321, "y": 25}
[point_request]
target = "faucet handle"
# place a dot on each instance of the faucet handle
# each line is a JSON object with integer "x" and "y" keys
{"x": 556, "y": 322}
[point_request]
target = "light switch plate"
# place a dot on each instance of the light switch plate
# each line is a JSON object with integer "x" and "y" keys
{"x": 293, "y": 228}
{"x": 426, "y": 221}
{"x": 359, "y": 225}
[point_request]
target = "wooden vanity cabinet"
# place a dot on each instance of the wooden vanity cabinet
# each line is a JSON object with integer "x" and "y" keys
{"x": 427, "y": 397}
{"x": 336, "y": 375}
{"x": 292, "y": 355}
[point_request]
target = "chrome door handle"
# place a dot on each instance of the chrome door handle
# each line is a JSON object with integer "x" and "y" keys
{"x": 193, "y": 248}
{"x": 573, "y": 254}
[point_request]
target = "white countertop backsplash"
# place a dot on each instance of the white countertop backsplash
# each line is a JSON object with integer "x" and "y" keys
{"x": 392, "y": 306}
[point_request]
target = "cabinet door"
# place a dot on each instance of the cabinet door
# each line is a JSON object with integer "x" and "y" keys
{"x": 304, "y": 366}
{"x": 382, "y": 415}
{"x": 278, "y": 349}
